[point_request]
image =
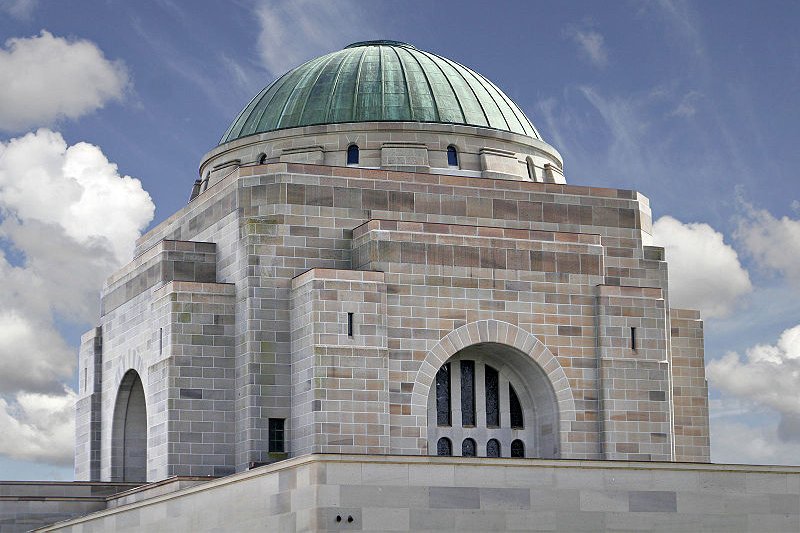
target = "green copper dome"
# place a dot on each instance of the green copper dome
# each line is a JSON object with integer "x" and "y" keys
{"x": 379, "y": 81}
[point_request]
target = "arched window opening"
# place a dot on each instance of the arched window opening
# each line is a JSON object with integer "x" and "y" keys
{"x": 491, "y": 393}
{"x": 517, "y": 420}
{"x": 468, "y": 448}
{"x": 443, "y": 396}
{"x": 261, "y": 159}
{"x": 492, "y": 389}
{"x": 129, "y": 431}
{"x": 352, "y": 154}
{"x": 518, "y": 449}
{"x": 205, "y": 181}
{"x": 493, "y": 448}
{"x": 444, "y": 447}
{"x": 531, "y": 170}
{"x": 452, "y": 156}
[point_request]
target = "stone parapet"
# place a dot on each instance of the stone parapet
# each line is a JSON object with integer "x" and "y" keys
{"x": 395, "y": 493}
{"x": 168, "y": 260}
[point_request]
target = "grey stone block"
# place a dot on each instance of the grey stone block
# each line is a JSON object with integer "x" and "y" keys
{"x": 508, "y": 499}
{"x": 454, "y": 498}
{"x": 653, "y": 501}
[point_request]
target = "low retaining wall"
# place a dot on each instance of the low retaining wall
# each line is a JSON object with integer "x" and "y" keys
{"x": 412, "y": 493}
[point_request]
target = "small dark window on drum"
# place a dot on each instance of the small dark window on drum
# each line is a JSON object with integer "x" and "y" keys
{"x": 352, "y": 154}
{"x": 452, "y": 156}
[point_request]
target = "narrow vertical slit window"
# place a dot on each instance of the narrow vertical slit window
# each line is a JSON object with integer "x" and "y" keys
{"x": 531, "y": 170}
{"x": 467, "y": 393}
{"x": 517, "y": 420}
{"x": 160, "y": 341}
{"x": 518, "y": 449}
{"x": 444, "y": 447}
{"x": 633, "y": 339}
{"x": 352, "y": 154}
{"x": 85, "y": 379}
{"x": 443, "y": 396}
{"x": 276, "y": 435}
{"x": 350, "y": 325}
{"x": 492, "y": 385}
{"x": 468, "y": 448}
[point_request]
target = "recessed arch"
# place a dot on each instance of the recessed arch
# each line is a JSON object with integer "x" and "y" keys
{"x": 129, "y": 431}
{"x": 524, "y": 343}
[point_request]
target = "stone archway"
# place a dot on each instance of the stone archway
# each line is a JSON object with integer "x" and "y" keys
{"x": 129, "y": 431}
{"x": 496, "y": 373}
{"x": 523, "y": 343}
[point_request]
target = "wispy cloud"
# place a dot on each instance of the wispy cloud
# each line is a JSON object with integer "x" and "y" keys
{"x": 684, "y": 21}
{"x": 687, "y": 107}
{"x": 295, "y": 31}
{"x": 20, "y": 9}
{"x": 591, "y": 44}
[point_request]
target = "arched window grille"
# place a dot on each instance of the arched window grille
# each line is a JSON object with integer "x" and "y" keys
{"x": 492, "y": 392}
{"x": 468, "y": 393}
{"x": 493, "y": 448}
{"x": 492, "y": 386}
{"x": 517, "y": 420}
{"x": 468, "y": 448}
{"x": 352, "y": 154}
{"x": 518, "y": 449}
{"x": 443, "y": 395}
{"x": 444, "y": 447}
{"x": 452, "y": 156}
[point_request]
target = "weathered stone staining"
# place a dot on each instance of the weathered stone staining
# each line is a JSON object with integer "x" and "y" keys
{"x": 410, "y": 275}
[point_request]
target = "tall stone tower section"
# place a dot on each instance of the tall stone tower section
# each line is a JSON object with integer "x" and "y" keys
{"x": 382, "y": 256}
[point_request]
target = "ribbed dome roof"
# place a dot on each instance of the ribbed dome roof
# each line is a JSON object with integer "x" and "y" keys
{"x": 379, "y": 81}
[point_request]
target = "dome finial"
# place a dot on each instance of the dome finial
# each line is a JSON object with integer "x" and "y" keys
{"x": 379, "y": 42}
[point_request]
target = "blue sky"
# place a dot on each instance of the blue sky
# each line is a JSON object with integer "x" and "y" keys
{"x": 695, "y": 104}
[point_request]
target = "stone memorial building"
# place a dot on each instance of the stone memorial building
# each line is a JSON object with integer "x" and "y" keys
{"x": 382, "y": 256}
{"x": 384, "y": 309}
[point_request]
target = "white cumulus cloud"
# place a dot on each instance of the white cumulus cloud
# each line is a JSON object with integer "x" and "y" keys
{"x": 38, "y": 427}
{"x": 773, "y": 242}
{"x": 74, "y": 188}
{"x": 704, "y": 271}
{"x": 736, "y": 442}
{"x": 46, "y": 78}
{"x": 68, "y": 219}
{"x": 768, "y": 375}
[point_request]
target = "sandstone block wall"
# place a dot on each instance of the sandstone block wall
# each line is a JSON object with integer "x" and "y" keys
{"x": 357, "y": 493}
{"x": 454, "y": 252}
